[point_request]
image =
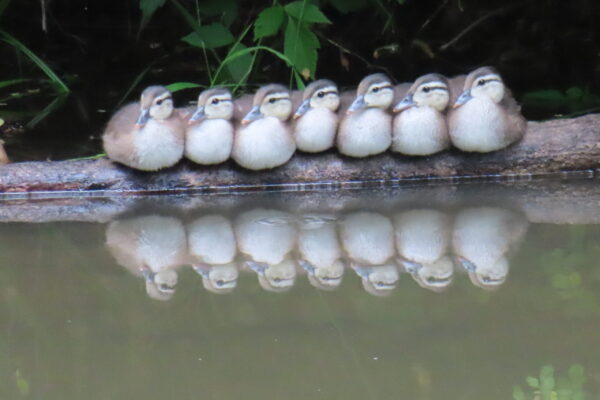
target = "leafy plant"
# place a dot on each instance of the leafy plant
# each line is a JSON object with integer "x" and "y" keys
{"x": 546, "y": 387}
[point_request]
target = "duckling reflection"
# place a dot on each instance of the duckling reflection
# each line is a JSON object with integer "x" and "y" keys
{"x": 220, "y": 279}
{"x": 378, "y": 280}
{"x": 367, "y": 237}
{"x": 266, "y": 237}
{"x": 482, "y": 239}
{"x": 320, "y": 252}
{"x": 422, "y": 241}
{"x": 151, "y": 246}
{"x": 212, "y": 247}
{"x": 276, "y": 278}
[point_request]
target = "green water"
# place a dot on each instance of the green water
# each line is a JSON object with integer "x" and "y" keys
{"x": 113, "y": 310}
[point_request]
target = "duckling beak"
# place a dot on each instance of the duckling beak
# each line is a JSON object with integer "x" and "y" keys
{"x": 304, "y": 107}
{"x": 143, "y": 118}
{"x": 253, "y": 115}
{"x": 462, "y": 99}
{"x": 198, "y": 115}
{"x": 357, "y": 104}
{"x": 404, "y": 104}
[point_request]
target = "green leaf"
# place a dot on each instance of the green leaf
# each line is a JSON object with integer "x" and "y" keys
{"x": 11, "y": 82}
{"x": 177, "y": 86}
{"x": 533, "y": 382}
{"x": 239, "y": 67}
{"x": 56, "y": 81}
{"x": 306, "y": 12}
{"x": 518, "y": 393}
{"x": 148, "y": 8}
{"x": 268, "y": 22}
{"x": 210, "y": 36}
{"x": 300, "y": 46}
{"x": 226, "y": 9}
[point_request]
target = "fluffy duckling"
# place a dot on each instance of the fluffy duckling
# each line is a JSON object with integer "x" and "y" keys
{"x": 264, "y": 140}
{"x": 368, "y": 238}
{"x": 482, "y": 239}
{"x": 211, "y": 240}
{"x": 320, "y": 253}
{"x": 209, "y": 135}
{"x": 485, "y": 117}
{"x": 367, "y": 127}
{"x": 148, "y": 135}
{"x": 151, "y": 246}
{"x": 316, "y": 118}
{"x": 419, "y": 128}
{"x": 265, "y": 236}
{"x": 422, "y": 241}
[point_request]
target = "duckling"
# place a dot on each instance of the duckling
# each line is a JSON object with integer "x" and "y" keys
{"x": 211, "y": 240}
{"x": 482, "y": 239}
{"x": 148, "y": 135}
{"x": 422, "y": 241}
{"x": 316, "y": 118}
{"x": 264, "y": 235}
{"x": 368, "y": 238}
{"x": 209, "y": 135}
{"x": 320, "y": 252}
{"x": 485, "y": 117}
{"x": 152, "y": 246}
{"x": 419, "y": 128}
{"x": 367, "y": 127}
{"x": 264, "y": 140}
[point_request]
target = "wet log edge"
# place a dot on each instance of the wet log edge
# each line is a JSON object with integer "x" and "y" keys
{"x": 548, "y": 147}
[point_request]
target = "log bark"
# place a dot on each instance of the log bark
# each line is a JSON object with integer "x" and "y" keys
{"x": 548, "y": 147}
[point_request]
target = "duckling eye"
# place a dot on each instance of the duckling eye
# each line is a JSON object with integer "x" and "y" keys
{"x": 481, "y": 82}
{"x": 272, "y": 101}
{"x": 215, "y": 101}
{"x": 426, "y": 89}
{"x": 375, "y": 90}
{"x": 321, "y": 94}
{"x": 159, "y": 102}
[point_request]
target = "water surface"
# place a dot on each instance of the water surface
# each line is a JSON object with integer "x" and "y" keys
{"x": 434, "y": 293}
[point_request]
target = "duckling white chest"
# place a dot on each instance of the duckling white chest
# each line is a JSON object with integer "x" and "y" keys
{"x": 420, "y": 131}
{"x": 315, "y": 130}
{"x": 157, "y": 145}
{"x": 262, "y": 144}
{"x": 479, "y": 126}
{"x": 365, "y": 133}
{"x": 209, "y": 142}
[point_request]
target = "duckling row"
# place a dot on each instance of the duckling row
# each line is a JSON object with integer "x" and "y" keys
{"x": 475, "y": 113}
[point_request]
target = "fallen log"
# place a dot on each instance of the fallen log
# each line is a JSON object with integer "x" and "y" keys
{"x": 548, "y": 147}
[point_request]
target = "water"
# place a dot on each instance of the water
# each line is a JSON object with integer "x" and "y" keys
{"x": 445, "y": 292}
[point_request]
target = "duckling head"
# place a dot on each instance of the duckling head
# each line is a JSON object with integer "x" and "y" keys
{"x": 214, "y": 104}
{"x": 270, "y": 101}
{"x": 156, "y": 102}
{"x": 484, "y": 82}
{"x": 375, "y": 90}
{"x": 430, "y": 90}
{"x": 319, "y": 94}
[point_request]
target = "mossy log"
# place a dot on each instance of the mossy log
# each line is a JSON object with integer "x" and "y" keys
{"x": 548, "y": 147}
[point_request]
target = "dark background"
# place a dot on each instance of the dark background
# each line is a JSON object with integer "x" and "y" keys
{"x": 98, "y": 49}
